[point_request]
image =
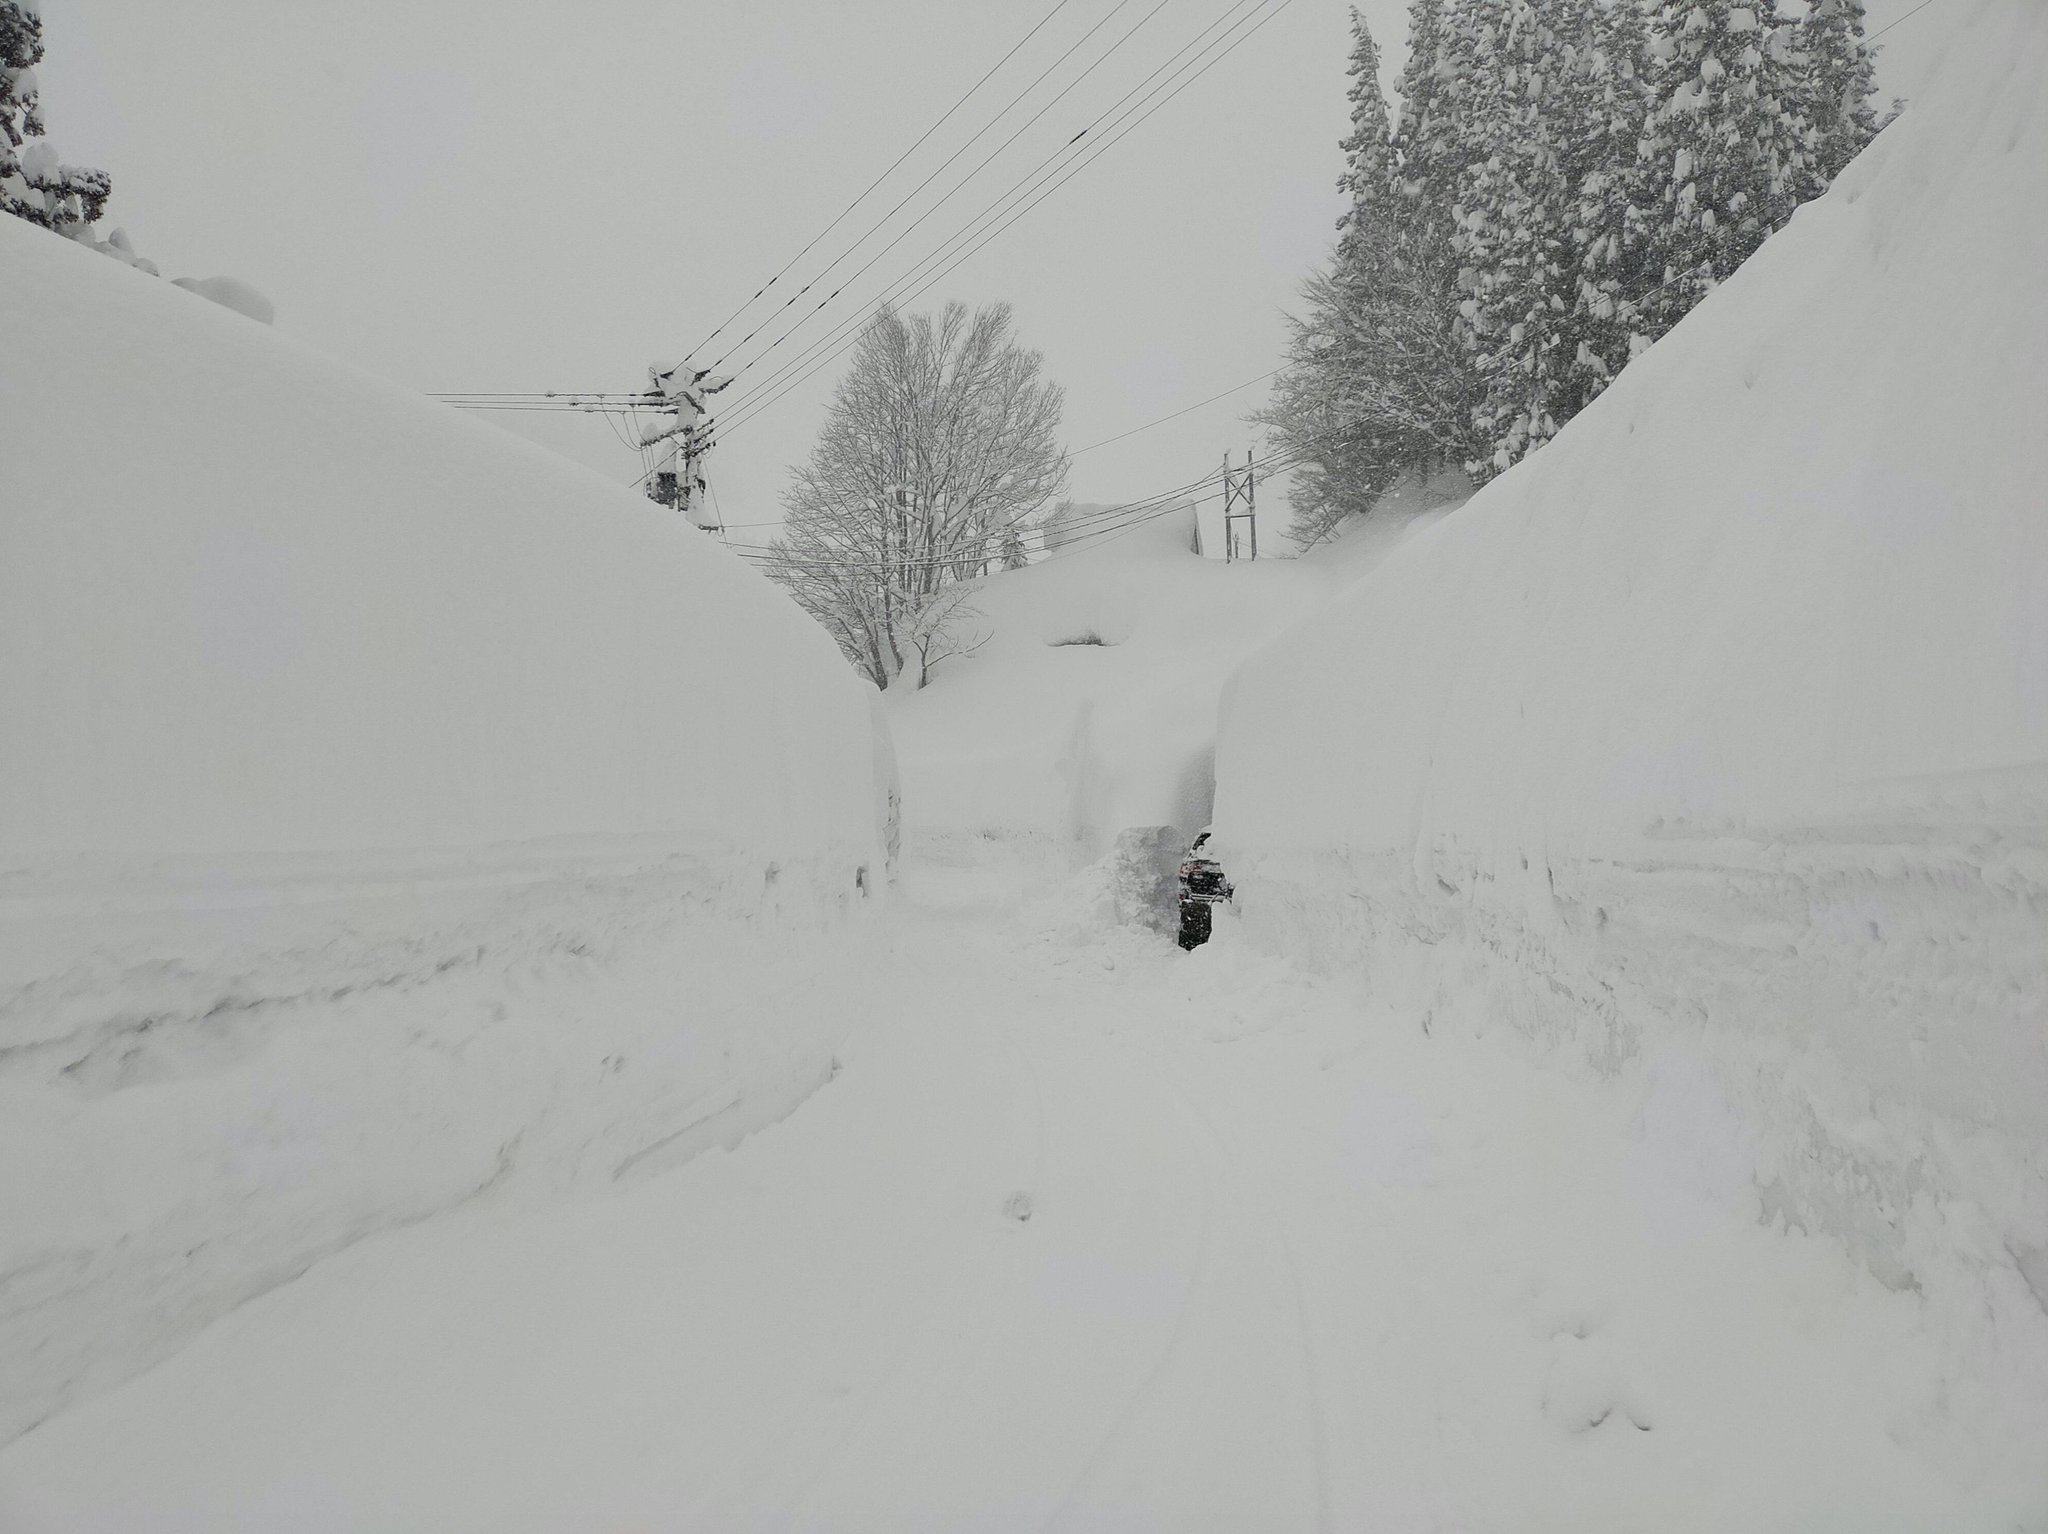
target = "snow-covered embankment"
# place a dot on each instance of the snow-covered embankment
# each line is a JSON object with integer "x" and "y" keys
{"x": 1712, "y": 744}
{"x": 389, "y": 810}
{"x": 1088, "y": 705}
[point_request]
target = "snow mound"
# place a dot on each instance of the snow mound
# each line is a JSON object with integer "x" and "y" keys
{"x": 1716, "y": 736}
{"x": 230, "y": 293}
{"x": 1090, "y": 707}
{"x": 1357, "y": 547}
{"x": 390, "y": 812}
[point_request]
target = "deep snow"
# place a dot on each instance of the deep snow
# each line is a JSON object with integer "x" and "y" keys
{"x": 1083, "y": 1234}
{"x": 255, "y": 601}
{"x": 641, "y": 1174}
{"x": 389, "y": 810}
{"x": 1713, "y": 741}
{"x": 1089, "y": 706}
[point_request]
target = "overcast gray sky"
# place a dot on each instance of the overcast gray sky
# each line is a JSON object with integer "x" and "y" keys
{"x": 530, "y": 195}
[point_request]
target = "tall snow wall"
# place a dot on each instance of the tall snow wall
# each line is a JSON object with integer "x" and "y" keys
{"x": 390, "y": 813}
{"x": 1712, "y": 743}
{"x": 1087, "y": 705}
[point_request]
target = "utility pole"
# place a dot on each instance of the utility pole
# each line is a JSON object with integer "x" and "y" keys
{"x": 1239, "y": 505}
{"x": 680, "y": 391}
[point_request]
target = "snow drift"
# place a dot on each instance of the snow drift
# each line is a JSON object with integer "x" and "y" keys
{"x": 389, "y": 810}
{"x": 230, "y": 293}
{"x": 1715, "y": 737}
{"x": 1090, "y": 706}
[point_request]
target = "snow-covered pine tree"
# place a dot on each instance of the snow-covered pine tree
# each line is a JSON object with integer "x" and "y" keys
{"x": 1724, "y": 152}
{"x": 1512, "y": 226}
{"x": 1430, "y": 154}
{"x": 21, "y": 49}
{"x": 1839, "y": 78}
{"x": 1368, "y": 176}
{"x": 1427, "y": 144}
{"x": 1607, "y": 100}
{"x": 34, "y": 184}
{"x": 1374, "y": 385}
{"x": 1564, "y": 180}
{"x": 1323, "y": 405}
{"x": 1322, "y": 408}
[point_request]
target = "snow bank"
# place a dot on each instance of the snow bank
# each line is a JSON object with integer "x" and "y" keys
{"x": 1715, "y": 738}
{"x": 1356, "y": 547}
{"x": 230, "y": 293}
{"x": 1091, "y": 706}
{"x": 389, "y": 811}
{"x": 253, "y": 601}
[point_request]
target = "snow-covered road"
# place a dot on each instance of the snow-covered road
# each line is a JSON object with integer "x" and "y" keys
{"x": 1088, "y": 1234}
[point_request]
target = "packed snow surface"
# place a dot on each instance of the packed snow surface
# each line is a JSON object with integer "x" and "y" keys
{"x": 1714, "y": 739}
{"x": 1084, "y": 1234}
{"x": 389, "y": 810}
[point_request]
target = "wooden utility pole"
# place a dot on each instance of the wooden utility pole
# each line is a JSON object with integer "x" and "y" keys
{"x": 1239, "y": 505}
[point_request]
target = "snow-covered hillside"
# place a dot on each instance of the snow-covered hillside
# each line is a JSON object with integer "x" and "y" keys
{"x": 388, "y": 810}
{"x": 1713, "y": 742}
{"x": 1090, "y": 707}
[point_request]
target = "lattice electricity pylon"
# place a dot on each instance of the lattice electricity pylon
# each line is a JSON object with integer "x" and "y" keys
{"x": 1239, "y": 505}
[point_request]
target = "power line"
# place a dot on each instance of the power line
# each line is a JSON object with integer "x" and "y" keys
{"x": 1021, "y": 188}
{"x": 881, "y": 222}
{"x": 1096, "y": 527}
{"x": 1279, "y": 463}
{"x": 1115, "y": 520}
{"x": 1075, "y": 453}
{"x": 1197, "y": 405}
{"x": 1880, "y": 32}
{"x": 843, "y": 212}
{"x": 761, "y": 400}
{"x": 596, "y": 402}
{"x": 974, "y": 549}
{"x": 763, "y": 557}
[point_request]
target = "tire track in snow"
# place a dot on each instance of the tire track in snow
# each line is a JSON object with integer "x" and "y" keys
{"x": 939, "y": 1289}
{"x": 1311, "y": 1379}
{"x": 1148, "y": 1388}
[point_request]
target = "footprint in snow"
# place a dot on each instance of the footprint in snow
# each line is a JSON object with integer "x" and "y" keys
{"x": 1583, "y": 1390}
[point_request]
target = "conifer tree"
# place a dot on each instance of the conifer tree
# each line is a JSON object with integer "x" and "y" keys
{"x": 1513, "y": 222}
{"x": 1839, "y": 79}
{"x": 34, "y": 184}
{"x": 1608, "y": 104}
{"x": 1563, "y": 181}
{"x": 1374, "y": 385}
{"x": 1430, "y": 146}
{"x": 1368, "y": 177}
{"x": 1430, "y": 156}
{"x": 1724, "y": 151}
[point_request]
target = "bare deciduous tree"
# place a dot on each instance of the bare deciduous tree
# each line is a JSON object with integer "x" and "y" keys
{"x": 938, "y": 449}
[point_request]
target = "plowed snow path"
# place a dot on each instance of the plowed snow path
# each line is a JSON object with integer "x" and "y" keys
{"x": 1092, "y": 1235}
